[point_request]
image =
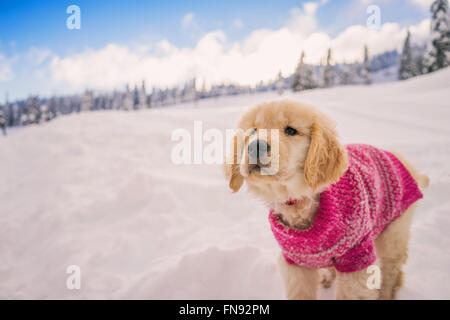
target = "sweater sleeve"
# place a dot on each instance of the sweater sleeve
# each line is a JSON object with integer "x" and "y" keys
{"x": 358, "y": 257}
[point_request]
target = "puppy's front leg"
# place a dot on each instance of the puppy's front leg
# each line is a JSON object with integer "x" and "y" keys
{"x": 300, "y": 283}
{"x": 358, "y": 285}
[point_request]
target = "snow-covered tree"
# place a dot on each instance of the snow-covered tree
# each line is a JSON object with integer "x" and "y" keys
{"x": 32, "y": 111}
{"x": 438, "y": 49}
{"x": 348, "y": 74}
{"x": 87, "y": 101}
{"x": 407, "y": 64}
{"x": 365, "y": 71}
{"x": 24, "y": 118}
{"x": 128, "y": 100}
{"x": 108, "y": 102}
{"x": 55, "y": 106}
{"x": 177, "y": 96}
{"x": 329, "y": 73}
{"x": 15, "y": 114}
{"x": 100, "y": 102}
{"x": 46, "y": 114}
{"x": 143, "y": 97}
{"x": 116, "y": 102}
{"x": 204, "y": 93}
{"x": 189, "y": 92}
{"x": 384, "y": 60}
{"x": 155, "y": 97}
{"x": 279, "y": 83}
{"x": 135, "y": 98}
{"x": 2, "y": 121}
{"x": 303, "y": 78}
{"x": 7, "y": 113}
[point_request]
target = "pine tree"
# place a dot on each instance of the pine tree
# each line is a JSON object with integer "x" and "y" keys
{"x": 155, "y": 97}
{"x": 128, "y": 100}
{"x": 32, "y": 111}
{"x": 135, "y": 98}
{"x": 116, "y": 100}
{"x": 52, "y": 107}
{"x": 303, "y": 78}
{"x": 365, "y": 72}
{"x": 438, "y": 49}
{"x": 2, "y": 121}
{"x": 87, "y": 101}
{"x": 407, "y": 64}
{"x": 108, "y": 102}
{"x": 14, "y": 114}
{"x": 329, "y": 74}
{"x": 296, "y": 86}
{"x": 189, "y": 92}
{"x": 142, "y": 97}
{"x": 280, "y": 83}
{"x": 347, "y": 74}
{"x": 46, "y": 113}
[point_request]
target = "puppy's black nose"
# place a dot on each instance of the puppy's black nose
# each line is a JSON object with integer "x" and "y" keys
{"x": 258, "y": 149}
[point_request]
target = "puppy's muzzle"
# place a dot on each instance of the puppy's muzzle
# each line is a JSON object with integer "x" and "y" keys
{"x": 258, "y": 152}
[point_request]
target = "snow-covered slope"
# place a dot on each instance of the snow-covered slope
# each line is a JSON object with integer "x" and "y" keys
{"x": 99, "y": 190}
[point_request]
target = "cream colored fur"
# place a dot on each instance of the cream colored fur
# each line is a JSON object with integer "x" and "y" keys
{"x": 308, "y": 162}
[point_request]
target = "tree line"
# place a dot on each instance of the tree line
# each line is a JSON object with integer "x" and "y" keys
{"x": 414, "y": 61}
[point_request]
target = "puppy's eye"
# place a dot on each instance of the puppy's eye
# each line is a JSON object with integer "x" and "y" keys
{"x": 252, "y": 131}
{"x": 290, "y": 131}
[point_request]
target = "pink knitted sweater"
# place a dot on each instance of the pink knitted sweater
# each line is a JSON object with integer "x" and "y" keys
{"x": 375, "y": 190}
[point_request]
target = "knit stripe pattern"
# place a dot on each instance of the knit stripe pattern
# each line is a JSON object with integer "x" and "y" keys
{"x": 375, "y": 190}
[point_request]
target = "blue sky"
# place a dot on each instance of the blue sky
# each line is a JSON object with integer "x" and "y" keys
{"x": 33, "y": 33}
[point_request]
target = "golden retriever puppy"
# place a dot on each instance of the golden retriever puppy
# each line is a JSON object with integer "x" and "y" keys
{"x": 345, "y": 210}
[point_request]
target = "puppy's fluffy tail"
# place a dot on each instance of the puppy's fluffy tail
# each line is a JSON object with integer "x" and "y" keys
{"x": 423, "y": 181}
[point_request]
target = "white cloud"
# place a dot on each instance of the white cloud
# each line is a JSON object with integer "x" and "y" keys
{"x": 304, "y": 20}
{"x": 423, "y": 4}
{"x": 347, "y": 45}
{"x": 258, "y": 57}
{"x": 237, "y": 24}
{"x": 38, "y": 56}
{"x": 189, "y": 21}
{"x": 310, "y": 8}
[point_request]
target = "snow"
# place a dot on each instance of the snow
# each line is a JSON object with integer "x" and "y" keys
{"x": 98, "y": 190}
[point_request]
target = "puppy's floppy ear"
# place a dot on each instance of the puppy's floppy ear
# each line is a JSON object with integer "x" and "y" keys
{"x": 231, "y": 166}
{"x": 326, "y": 160}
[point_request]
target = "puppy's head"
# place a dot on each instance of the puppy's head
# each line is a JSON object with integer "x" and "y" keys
{"x": 285, "y": 149}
